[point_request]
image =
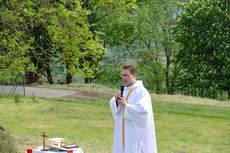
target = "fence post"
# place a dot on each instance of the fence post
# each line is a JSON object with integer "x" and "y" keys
{"x": 24, "y": 83}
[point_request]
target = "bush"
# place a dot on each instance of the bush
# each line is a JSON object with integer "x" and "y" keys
{"x": 7, "y": 144}
{"x": 223, "y": 96}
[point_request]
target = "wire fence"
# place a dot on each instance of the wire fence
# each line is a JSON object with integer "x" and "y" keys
{"x": 198, "y": 92}
{"x": 11, "y": 88}
{"x": 19, "y": 88}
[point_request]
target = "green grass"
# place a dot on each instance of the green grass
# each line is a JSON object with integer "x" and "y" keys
{"x": 190, "y": 128}
{"x": 88, "y": 87}
{"x": 7, "y": 144}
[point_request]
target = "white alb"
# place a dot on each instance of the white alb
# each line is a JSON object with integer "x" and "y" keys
{"x": 139, "y": 129}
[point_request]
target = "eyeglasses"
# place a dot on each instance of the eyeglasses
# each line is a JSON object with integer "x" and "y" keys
{"x": 125, "y": 75}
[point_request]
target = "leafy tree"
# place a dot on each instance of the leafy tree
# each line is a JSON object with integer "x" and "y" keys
{"x": 143, "y": 36}
{"x": 203, "y": 30}
{"x": 156, "y": 45}
{"x": 14, "y": 43}
{"x": 108, "y": 20}
{"x": 42, "y": 32}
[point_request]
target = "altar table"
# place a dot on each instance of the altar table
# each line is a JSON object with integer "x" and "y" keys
{"x": 38, "y": 150}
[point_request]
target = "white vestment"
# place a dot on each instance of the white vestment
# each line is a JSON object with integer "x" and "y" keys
{"x": 139, "y": 130}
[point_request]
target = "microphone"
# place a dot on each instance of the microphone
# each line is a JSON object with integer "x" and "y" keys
{"x": 122, "y": 90}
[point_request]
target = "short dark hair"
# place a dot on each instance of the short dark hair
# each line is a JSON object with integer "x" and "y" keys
{"x": 131, "y": 68}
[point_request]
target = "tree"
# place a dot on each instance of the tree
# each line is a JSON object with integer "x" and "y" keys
{"x": 143, "y": 36}
{"x": 203, "y": 30}
{"x": 156, "y": 44}
{"x": 42, "y": 32}
{"x": 108, "y": 20}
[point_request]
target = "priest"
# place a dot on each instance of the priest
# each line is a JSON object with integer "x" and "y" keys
{"x": 134, "y": 130}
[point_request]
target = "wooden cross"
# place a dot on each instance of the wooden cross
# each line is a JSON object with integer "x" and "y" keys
{"x": 44, "y": 141}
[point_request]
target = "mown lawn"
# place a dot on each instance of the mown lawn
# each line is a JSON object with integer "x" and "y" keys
{"x": 190, "y": 128}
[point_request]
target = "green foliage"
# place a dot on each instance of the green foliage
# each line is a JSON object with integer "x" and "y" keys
{"x": 152, "y": 76}
{"x": 143, "y": 36}
{"x": 203, "y": 30}
{"x": 7, "y": 143}
{"x": 110, "y": 76}
{"x": 35, "y": 34}
{"x": 223, "y": 96}
{"x": 109, "y": 20}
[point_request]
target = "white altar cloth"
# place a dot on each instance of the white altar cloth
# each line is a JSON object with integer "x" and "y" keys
{"x": 38, "y": 150}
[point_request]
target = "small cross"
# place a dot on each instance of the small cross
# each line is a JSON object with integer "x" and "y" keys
{"x": 44, "y": 141}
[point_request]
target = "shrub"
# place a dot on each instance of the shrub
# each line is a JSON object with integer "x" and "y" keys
{"x": 223, "y": 96}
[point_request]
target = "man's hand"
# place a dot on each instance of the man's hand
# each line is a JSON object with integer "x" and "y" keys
{"x": 120, "y": 99}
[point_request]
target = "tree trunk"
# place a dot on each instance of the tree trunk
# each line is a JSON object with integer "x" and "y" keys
{"x": 157, "y": 90}
{"x": 49, "y": 76}
{"x": 31, "y": 77}
{"x": 167, "y": 75}
{"x": 88, "y": 80}
{"x": 69, "y": 78}
{"x": 167, "y": 51}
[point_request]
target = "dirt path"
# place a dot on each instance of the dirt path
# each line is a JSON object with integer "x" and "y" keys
{"x": 48, "y": 92}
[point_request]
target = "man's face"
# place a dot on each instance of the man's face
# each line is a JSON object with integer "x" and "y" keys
{"x": 128, "y": 78}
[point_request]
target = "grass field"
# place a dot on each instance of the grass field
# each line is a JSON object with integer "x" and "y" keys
{"x": 185, "y": 127}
